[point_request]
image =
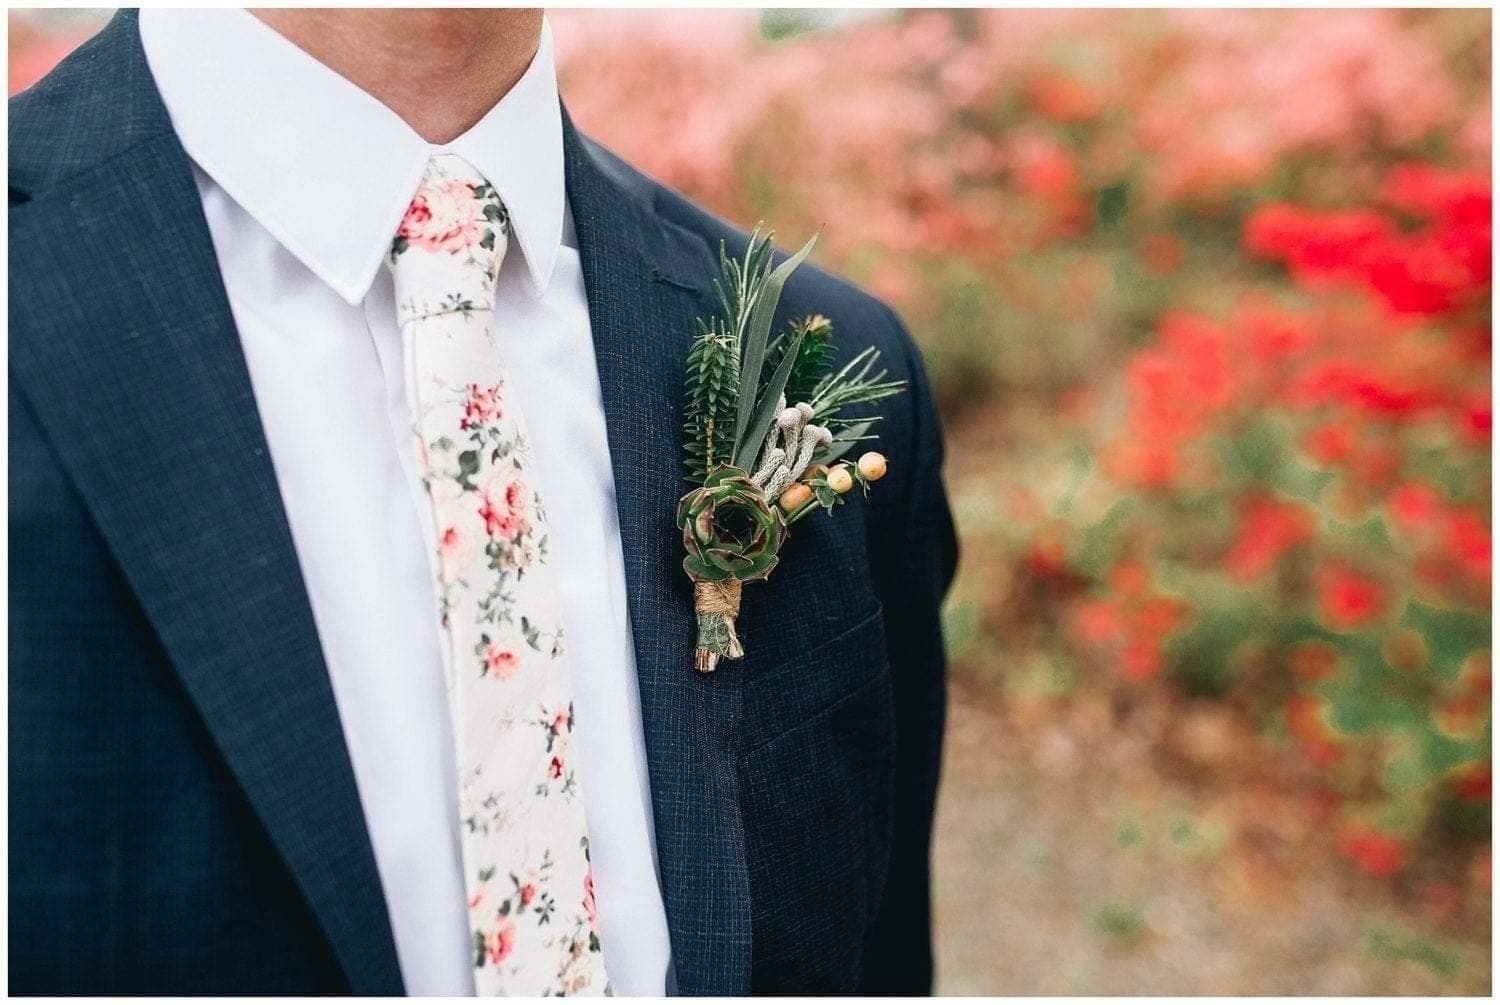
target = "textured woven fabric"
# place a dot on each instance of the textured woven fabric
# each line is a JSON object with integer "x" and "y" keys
{"x": 183, "y": 816}
{"x": 525, "y": 840}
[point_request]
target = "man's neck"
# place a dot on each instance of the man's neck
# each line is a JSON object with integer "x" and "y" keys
{"x": 440, "y": 70}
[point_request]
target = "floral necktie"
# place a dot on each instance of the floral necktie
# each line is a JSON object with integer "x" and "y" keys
{"x": 525, "y": 842}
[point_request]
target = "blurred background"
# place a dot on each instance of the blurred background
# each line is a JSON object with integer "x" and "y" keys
{"x": 1205, "y": 297}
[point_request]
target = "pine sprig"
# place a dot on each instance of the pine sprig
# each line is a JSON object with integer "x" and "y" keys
{"x": 814, "y": 355}
{"x": 713, "y": 377}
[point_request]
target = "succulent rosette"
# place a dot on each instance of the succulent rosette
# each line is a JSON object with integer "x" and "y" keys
{"x": 730, "y": 530}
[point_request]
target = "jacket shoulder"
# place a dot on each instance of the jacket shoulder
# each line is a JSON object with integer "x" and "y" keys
{"x": 97, "y": 103}
{"x": 860, "y": 318}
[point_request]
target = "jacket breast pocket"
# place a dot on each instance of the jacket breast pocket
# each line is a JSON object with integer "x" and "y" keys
{"x": 817, "y": 788}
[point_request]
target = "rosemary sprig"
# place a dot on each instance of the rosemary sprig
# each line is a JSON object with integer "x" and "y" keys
{"x": 853, "y": 385}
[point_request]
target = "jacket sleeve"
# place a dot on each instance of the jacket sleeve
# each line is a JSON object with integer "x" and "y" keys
{"x": 911, "y": 580}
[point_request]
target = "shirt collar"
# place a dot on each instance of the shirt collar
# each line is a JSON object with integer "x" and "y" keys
{"x": 326, "y": 168}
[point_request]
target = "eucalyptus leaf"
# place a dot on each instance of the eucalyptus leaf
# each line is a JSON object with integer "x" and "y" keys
{"x": 765, "y": 410}
{"x": 755, "y": 337}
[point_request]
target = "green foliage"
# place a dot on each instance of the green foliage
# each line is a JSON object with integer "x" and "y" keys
{"x": 713, "y": 377}
{"x": 757, "y": 412}
{"x": 752, "y": 433}
{"x": 731, "y": 404}
{"x": 1120, "y": 922}
{"x": 857, "y": 383}
{"x": 814, "y": 356}
{"x": 729, "y": 530}
{"x": 1388, "y": 944}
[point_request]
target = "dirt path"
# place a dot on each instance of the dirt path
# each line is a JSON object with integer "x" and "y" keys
{"x": 1065, "y": 867}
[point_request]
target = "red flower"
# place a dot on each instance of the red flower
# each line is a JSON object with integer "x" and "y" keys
{"x": 1469, "y": 541}
{"x": 1046, "y": 558}
{"x": 1063, "y": 99}
{"x": 1415, "y": 506}
{"x": 527, "y": 893}
{"x": 1461, "y": 198}
{"x": 1318, "y": 247}
{"x": 1375, "y": 854}
{"x": 1129, "y": 578}
{"x": 1349, "y": 599}
{"x": 1045, "y": 169}
{"x": 1475, "y": 417}
{"x": 1268, "y": 529}
{"x": 1472, "y": 782}
{"x": 555, "y": 769}
{"x": 1274, "y": 333}
{"x": 1200, "y": 353}
{"x": 1423, "y": 274}
{"x": 1158, "y": 617}
{"x": 1140, "y": 660}
{"x": 1099, "y": 622}
{"x": 1330, "y": 444}
{"x": 1432, "y": 271}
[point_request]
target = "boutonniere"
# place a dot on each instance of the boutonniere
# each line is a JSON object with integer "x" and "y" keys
{"x": 765, "y": 437}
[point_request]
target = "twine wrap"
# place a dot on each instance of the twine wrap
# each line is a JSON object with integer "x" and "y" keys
{"x": 717, "y": 604}
{"x": 731, "y": 533}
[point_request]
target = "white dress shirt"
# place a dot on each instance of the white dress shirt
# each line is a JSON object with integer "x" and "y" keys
{"x": 304, "y": 178}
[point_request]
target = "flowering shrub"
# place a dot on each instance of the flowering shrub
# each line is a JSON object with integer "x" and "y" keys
{"x": 1308, "y": 479}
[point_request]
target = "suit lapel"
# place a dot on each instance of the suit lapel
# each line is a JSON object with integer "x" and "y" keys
{"x": 133, "y": 365}
{"x": 646, "y": 280}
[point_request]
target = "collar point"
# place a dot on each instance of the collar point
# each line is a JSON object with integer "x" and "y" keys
{"x": 539, "y": 279}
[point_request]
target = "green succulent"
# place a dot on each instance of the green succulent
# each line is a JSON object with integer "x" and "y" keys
{"x": 729, "y": 528}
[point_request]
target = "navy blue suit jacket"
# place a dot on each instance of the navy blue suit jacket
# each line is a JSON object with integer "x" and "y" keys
{"x": 183, "y": 815}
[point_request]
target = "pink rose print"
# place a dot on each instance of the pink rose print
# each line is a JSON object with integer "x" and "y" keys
{"x": 444, "y": 215}
{"x": 448, "y": 548}
{"x": 501, "y": 661}
{"x": 482, "y": 407}
{"x": 500, "y": 941}
{"x": 460, "y": 532}
{"x": 476, "y": 898}
{"x": 527, "y": 893}
{"x": 456, "y": 552}
{"x": 504, "y": 509}
{"x": 555, "y": 769}
{"x": 590, "y": 906}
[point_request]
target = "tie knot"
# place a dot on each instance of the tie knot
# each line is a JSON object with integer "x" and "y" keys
{"x": 449, "y": 246}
